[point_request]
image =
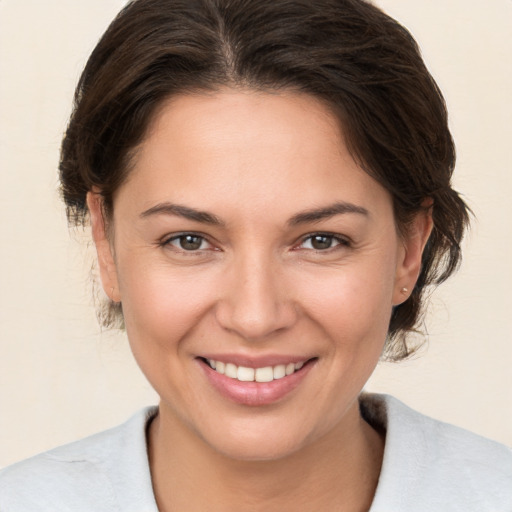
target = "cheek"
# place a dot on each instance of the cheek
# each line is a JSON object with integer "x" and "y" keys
{"x": 352, "y": 304}
{"x": 162, "y": 305}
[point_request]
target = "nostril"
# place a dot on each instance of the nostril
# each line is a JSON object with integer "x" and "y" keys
{"x": 253, "y": 318}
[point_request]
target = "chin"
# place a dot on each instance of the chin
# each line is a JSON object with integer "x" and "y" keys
{"x": 261, "y": 439}
{"x": 257, "y": 448}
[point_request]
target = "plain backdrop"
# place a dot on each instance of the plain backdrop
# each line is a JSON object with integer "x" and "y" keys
{"x": 61, "y": 378}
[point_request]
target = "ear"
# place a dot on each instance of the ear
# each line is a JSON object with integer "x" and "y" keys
{"x": 409, "y": 264}
{"x": 106, "y": 262}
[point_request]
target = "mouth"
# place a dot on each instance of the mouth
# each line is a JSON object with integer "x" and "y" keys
{"x": 255, "y": 385}
{"x": 262, "y": 374}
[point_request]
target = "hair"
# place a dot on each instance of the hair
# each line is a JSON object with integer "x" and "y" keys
{"x": 349, "y": 54}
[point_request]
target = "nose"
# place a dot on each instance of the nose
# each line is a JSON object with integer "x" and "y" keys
{"x": 256, "y": 302}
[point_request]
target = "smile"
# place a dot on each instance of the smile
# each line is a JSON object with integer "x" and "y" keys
{"x": 245, "y": 374}
{"x": 257, "y": 382}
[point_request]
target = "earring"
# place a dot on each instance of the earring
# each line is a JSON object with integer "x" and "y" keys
{"x": 405, "y": 290}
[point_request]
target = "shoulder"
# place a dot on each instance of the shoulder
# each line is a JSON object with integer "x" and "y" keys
{"x": 89, "y": 474}
{"x": 431, "y": 465}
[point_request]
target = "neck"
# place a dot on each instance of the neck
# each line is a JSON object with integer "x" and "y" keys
{"x": 337, "y": 472}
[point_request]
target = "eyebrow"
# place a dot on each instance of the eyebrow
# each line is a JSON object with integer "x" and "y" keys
{"x": 313, "y": 215}
{"x": 183, "y": 211}
{"x": 326, "y": 212}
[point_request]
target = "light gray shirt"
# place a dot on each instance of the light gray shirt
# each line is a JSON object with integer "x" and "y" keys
{"x": 428, "y": 466}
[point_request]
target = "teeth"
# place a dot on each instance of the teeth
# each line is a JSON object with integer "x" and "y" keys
{"x": 279, "y": 371}
{"x": 231, "y": 371}
{"x": 265, "y": 374}
{"x": 245, "y": 374}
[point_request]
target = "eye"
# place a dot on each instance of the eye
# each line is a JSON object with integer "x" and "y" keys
{"x": 188, "y": 242}
{"x": 322, "y": 242}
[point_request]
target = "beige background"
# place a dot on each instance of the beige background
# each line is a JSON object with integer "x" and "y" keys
{"x": 60, "y": 378}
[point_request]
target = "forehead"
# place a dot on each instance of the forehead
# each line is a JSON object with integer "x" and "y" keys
{"x": 238, "y": 119}
{"x": 241, "y": 147}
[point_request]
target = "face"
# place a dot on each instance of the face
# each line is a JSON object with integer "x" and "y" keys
{"x": 246, "y": 238}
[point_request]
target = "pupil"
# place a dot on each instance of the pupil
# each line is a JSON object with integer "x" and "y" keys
{"x": 190, "y": 242}
{"x": 321, "y": 242}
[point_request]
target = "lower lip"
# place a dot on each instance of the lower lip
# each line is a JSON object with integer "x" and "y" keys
{"x": 255, "y": 393}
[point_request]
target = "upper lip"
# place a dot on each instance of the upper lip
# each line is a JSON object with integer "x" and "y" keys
{"x": 260, "y": 361}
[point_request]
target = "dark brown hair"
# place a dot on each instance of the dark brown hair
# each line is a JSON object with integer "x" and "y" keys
{"x": 363, "y": 64}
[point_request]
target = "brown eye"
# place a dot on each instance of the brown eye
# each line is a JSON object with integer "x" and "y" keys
{"x": 322, "y": 242}
{"x": 188, "y": 242}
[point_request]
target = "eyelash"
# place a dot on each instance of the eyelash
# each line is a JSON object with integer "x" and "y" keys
{"x": 168, "y": 242}
{"x": 341, "y": 241}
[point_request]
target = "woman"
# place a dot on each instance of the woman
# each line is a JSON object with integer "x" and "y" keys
{"x": 268, "y": 187}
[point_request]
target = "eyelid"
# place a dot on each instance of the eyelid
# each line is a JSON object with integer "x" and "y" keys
{"x": 167, "y": 239}
{"x": 341, "y": 239}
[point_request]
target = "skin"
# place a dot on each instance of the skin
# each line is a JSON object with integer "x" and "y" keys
{"x": 256, "y": 287}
